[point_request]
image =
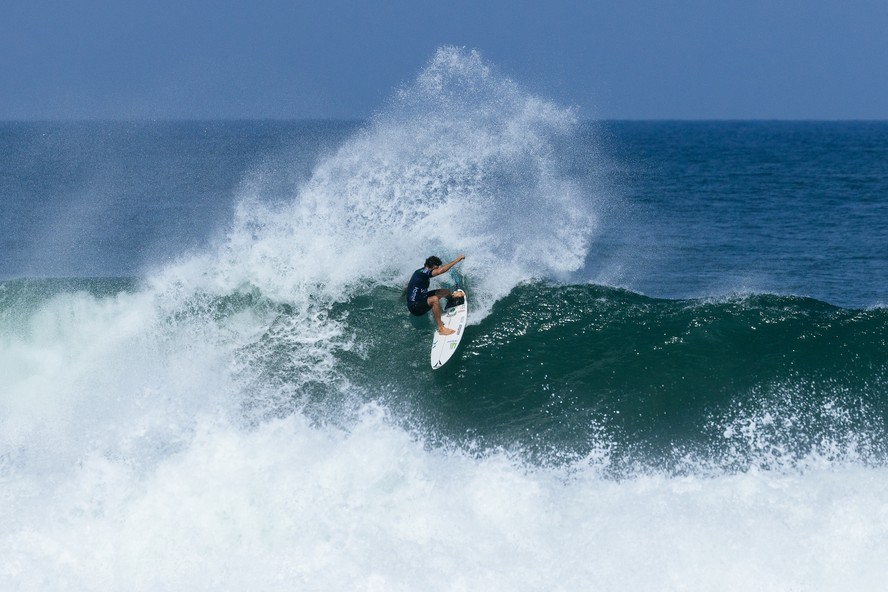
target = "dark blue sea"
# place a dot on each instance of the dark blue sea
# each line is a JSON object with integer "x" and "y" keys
{"x": 675, "y": 375}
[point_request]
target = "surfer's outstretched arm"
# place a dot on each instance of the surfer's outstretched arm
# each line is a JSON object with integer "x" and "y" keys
{"x": 446, "y": 267}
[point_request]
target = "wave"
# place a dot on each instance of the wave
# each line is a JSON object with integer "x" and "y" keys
{"x": 296, "y": 310}
{"x": 554, "y": 371}
{"x": 218, "y": 443}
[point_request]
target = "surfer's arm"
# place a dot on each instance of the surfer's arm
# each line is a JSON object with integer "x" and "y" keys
{"x": 446, "y": 267}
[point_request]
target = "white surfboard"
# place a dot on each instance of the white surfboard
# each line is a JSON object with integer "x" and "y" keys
{"x": 444, "y": 346}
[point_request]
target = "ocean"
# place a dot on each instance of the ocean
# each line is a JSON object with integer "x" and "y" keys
{"x": 675, "y": 374}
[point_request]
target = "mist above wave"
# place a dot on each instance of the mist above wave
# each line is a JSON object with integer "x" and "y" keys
{"x": 461, "y": 160}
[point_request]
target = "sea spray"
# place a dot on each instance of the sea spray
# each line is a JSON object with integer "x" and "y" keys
{"x": 462, "y": 160}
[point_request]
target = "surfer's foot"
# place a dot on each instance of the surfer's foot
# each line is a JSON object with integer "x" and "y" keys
{"x": 445, "y": 331}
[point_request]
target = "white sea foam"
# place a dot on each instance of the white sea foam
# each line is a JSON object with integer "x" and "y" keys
{"x": 287, "y": 506}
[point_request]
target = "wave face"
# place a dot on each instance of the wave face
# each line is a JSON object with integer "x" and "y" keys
{"x": 262, "y": 414}
{"x": 556, "y": 373}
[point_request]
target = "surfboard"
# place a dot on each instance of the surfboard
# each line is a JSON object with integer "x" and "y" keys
{"x": 454, "y": 317}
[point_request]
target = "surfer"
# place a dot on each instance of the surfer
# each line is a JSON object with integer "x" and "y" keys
{"x": 420, "y": 300}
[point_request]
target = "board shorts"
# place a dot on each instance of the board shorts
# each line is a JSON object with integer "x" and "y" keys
{"x": 419, "y": 307}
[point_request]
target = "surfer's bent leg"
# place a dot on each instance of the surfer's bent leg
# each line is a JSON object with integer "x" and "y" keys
{"x": 434, "y": 301}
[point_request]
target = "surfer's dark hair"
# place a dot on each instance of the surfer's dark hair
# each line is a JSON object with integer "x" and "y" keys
{"x": 431, "y": 261}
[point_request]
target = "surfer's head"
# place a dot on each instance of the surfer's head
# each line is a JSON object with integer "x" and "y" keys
{"x": 432, "y": 262}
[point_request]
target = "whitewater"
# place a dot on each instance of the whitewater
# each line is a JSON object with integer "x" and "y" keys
{"x": 231, "y": 421}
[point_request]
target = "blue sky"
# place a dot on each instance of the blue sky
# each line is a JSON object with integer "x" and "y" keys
{"x": 632, "y": 59}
